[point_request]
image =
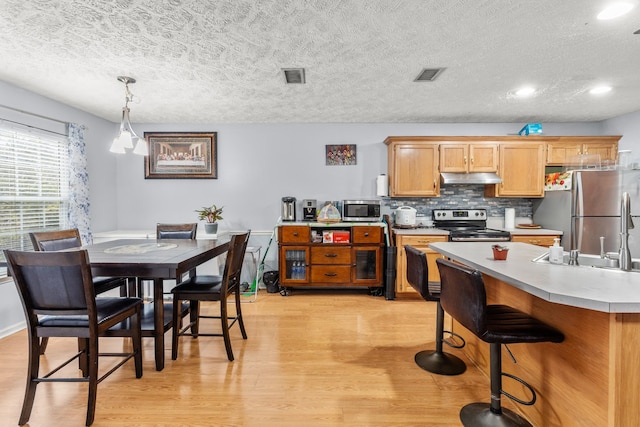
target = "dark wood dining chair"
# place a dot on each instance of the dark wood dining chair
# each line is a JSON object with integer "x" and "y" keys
{"x": 59, "y": 300}
{"x": 213, "y": 288}
{"x": 60, "y": 240}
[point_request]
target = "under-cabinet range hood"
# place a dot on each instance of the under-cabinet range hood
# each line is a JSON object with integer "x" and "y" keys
{"x": 470, "y": 178}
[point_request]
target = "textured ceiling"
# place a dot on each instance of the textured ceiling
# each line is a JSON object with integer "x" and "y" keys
{"x": 220, "y": 61}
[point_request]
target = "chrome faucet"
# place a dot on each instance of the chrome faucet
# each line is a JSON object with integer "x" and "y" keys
{"x": 626, "y": 223}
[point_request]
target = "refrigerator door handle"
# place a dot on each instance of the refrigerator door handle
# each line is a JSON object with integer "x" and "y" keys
{"x": 577, "y": 233}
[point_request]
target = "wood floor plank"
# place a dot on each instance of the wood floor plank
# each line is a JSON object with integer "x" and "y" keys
{"x": 314, "y": 358}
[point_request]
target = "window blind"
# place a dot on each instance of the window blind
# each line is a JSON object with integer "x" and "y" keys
{"x": 34, "y": 186}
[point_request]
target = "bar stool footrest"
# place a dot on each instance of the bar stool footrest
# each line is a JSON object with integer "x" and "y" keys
{"x": 524, "y": 383}
{"x": 481, "y": 415}
{"x": 452, "y": 344}
{"x": 440, "y": 362}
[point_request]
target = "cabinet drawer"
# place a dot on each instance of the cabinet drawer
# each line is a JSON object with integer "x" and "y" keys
{"x": 422, "y": 240}
{"x": 540, "y": 240}
{"x": 294, "y": 234}
{"x": 331, "y": 273}
{"x": 366, "y": 234}
{"x": 330, "y": 255}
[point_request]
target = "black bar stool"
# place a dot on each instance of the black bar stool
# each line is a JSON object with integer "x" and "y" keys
{"x": 435, "y": 361}
{"x": 463, "y": 296}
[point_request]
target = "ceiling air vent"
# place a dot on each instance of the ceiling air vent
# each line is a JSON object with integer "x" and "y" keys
{"x": 293, "y": 75}
{"x": 428, "y": 74}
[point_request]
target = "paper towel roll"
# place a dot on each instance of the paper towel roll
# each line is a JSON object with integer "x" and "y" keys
{"x": 382, "y": 185}
{"x": 509, "y": 218}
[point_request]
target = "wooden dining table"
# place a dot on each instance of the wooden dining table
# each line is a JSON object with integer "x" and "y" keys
{"x": 154, "y": 260}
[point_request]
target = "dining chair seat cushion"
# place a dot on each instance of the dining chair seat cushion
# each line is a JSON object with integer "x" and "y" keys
{"x": 198, "y": 284}
{"x": 105, "y": 283}
{"x": 106, "y": 309}
{"x": 508, "y": 325}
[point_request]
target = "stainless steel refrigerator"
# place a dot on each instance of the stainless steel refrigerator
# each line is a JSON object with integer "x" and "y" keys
{"x": 591, "y": 209}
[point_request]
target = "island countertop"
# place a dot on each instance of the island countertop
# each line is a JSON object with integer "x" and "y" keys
{"x": 605, "y": 290}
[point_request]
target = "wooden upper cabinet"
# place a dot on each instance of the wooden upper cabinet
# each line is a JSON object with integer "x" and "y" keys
{"x": 413, "y": 169}
{"x": 521, "y": 167}
{"x": 464, "y": 158}
{"x": 568, "y": 149}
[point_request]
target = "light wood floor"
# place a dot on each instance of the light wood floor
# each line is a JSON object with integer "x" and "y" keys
{"x": 314, "y": 358}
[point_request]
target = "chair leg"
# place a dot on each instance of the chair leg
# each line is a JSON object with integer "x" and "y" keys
{"x": 194, "y": 317}
{"x": 43, "y": 344}
{"x": 136, "y": 341}
{"x": 437, "y": 361}
{"x": 32, "y": 375}
{"x": 92, "y": 349}
{"x": 224, "y": 321}
{"x": 177, "y": 308}
{"x": 83, "y": 360}
{"x": 492, "y": 414}
{"x": 239, "y": 314}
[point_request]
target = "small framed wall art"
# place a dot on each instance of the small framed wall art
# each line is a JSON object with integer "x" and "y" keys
{"x": 180, "y": 155}
{"x": 341, "y": 154}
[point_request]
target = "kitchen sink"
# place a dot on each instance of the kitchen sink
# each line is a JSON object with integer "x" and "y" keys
{"x": 588, "y": 260}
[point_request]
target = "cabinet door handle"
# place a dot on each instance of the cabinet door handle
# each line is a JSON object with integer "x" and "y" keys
{"x": 465, "y": 160}
{"x": 434, "y": 184}
{"x": 330, "y": 274}
{"x": 472, "y": 160}
{"x": 331, "y": 255}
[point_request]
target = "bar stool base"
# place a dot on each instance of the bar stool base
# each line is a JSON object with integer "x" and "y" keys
{"x": 440, "y": 362}
{"x": 480, "y": 415}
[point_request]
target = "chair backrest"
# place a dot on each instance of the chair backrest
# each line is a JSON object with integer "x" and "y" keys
{"x": 418, "y": 272}
{"x": 463, "y": 295}
{"x": 56, "y": 240}
{"x": 233, "y": 265}
{"x": 176, "y": 231}
{"x": 53, "y": 283}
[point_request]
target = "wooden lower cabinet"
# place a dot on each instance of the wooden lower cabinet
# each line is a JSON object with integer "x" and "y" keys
{"x": 420, "y": 242}
{"x": 305, "y": 263}
{"x": 545, "y": 240}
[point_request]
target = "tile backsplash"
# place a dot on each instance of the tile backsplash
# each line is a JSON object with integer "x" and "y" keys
{"x": 463, "y": 196}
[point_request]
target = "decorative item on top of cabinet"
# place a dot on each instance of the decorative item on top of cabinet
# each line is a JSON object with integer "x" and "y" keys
{"x": 412, "y": 167}
{"x": 544, "y": 240}
{"x": 421, "y": 243}
{"x": 564, "y": 150}
{"x": 481, "y": 157}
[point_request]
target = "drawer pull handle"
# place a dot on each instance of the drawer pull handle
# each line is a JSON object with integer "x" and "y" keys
{"x": 424, "y": 241}
{"x": 331, "y": 255}
{"x": 330, "y": 274}
{"x": 366, "y": 234}
{"x": 295, "y": 234}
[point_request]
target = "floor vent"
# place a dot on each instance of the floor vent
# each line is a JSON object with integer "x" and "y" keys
{"x": 428, "y": 74}
{"x": 294, "y": 75}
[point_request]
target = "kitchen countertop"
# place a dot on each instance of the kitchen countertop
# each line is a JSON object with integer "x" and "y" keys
{"x": 437, "y": 231}
{"x": 609, "y": 291}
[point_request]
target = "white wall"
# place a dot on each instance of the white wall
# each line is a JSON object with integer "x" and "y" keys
{"x": 628, "y": 126}
{"x": 260, "y": 163}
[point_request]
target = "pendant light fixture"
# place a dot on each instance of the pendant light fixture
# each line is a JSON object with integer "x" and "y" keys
{"x": 126, "y": 137}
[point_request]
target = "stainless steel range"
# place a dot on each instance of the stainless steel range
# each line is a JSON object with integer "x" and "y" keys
{"x": 468, "y": 225}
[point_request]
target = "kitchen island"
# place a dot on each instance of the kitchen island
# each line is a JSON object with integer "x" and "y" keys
{"x": 593, "y": 377}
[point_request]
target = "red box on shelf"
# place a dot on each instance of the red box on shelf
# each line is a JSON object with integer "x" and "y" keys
{"x": 341, "y": 236}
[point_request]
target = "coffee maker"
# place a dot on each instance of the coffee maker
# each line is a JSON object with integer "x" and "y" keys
{"x": 288, "y": 208}
{"x": 309, "y": 210}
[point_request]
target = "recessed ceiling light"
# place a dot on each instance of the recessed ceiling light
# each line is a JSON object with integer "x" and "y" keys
{"x": 615, "y": 9}
{"x": 598, "y": 90}
{"x": 525, "y": 91}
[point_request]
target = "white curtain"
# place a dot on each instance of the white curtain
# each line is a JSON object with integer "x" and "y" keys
{"x": 79, "y": 183}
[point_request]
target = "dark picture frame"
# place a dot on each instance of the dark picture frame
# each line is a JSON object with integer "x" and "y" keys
{"x": 181, "y": 155}
{"x": 341, "y": 155}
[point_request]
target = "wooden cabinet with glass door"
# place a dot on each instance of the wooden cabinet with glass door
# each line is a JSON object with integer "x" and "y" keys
{"x": 421, "y": 243}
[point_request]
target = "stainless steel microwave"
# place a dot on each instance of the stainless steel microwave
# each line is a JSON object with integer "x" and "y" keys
{"x": 361, "y": 210}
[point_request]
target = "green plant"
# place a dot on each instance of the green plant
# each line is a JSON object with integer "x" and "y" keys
{"x": 210, "y": 214}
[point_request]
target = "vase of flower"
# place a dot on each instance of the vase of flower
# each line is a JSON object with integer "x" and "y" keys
{"x": 211, "y": 215}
